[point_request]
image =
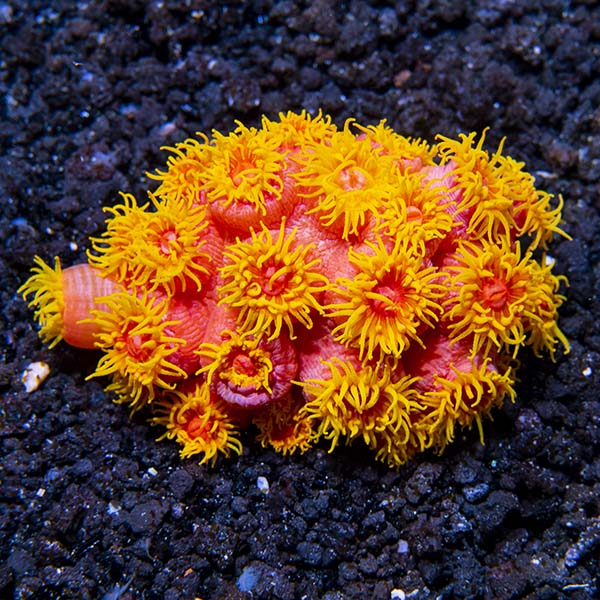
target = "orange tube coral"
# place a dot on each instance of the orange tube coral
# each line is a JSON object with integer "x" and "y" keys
{"x": 350, "y": 284}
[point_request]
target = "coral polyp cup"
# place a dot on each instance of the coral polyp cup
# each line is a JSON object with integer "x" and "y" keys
{"x": 65, "y": 300}
{"x": 349, "y": 284}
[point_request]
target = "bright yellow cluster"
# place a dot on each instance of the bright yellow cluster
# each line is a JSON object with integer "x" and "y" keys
{"x": 500, "y": 298}
{"x": 348, "y": 284}
{"x": 271, "y": 282}
{"x": 226, "y": 358}
{"x": 364, "y": 403}
{"x": 199, "y": 422}
{"x": 134, "y": 335}
{"x": 158, "y": 249}
{"x": 389, "y": 300}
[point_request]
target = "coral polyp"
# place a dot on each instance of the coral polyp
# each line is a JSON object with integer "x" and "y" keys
{"x": 154, "y": 250}
{"x": 134, "y": 336}
{"x": 361, "y": 403}
{"x": 199, "y": 422}
{"x": 392, "y": 296}
{"x": 349, "y": 285}
{"x": 271, "y": 282}
{"x": 250, "y": 371}
{"x": 346, "y": 181}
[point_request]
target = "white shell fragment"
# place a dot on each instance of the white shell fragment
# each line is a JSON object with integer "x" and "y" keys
{"x": 34, "y": 375}
{"x": 262, "y": 483}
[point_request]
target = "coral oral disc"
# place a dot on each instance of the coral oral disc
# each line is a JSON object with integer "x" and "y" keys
{"x": 494, "y": 293}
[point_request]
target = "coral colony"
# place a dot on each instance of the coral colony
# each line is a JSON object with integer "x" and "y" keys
{"x": 315, "y": 283}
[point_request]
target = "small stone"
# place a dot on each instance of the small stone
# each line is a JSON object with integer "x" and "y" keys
{"x": 310, "y": 553}
{"x": 145, "y": 517}
{"x": 475, "y": 493}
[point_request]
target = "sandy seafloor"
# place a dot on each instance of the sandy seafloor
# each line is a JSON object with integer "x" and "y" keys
{"x": 91, "y": 506}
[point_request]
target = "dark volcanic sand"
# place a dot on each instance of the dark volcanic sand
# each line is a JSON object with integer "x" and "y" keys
{"x": 91, "y": 506}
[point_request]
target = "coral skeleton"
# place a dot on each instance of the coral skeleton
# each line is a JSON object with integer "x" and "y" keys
{"x": 351, "y": 285}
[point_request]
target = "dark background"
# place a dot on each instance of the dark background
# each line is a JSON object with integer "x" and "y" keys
{"x": 91, "y": 507}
